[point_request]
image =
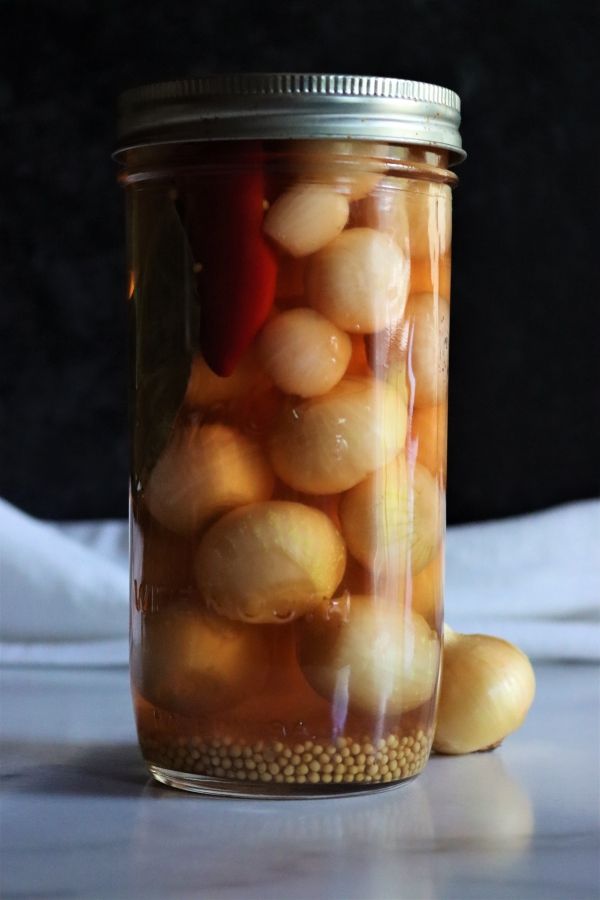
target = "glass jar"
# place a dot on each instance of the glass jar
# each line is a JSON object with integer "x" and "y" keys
{"x": 289, "y": 286}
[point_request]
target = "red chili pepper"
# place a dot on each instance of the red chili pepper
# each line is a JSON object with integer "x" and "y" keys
{"x": 222, "y": 210}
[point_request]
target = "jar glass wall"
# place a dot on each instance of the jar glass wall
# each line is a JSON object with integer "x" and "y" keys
{"x": 290, "y": 313}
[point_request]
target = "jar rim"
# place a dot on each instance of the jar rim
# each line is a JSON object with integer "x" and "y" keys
{"x": 281, "y": 106}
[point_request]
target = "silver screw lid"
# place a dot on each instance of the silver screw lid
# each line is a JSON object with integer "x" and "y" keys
{"x": 291, "y": 105}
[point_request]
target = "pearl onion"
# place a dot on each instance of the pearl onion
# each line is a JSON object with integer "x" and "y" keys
{"x": 205, "y": 470}
{"x": 393, "y": 520}
{"x": 363, "y": 653}
{"x": 303, "y": 352}
{"x": 328, "y": 444}
{"x": 193, "y": 663}
{"x": 487, "y": 688}
{"x": 429, "y": 338}
{"x": 353, "y": 167}
{"x": 306, "y": 218}
{"x": 269, "y": 562}
{"x": 360, "y": 281}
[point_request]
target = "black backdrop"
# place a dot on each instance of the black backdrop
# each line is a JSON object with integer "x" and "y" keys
{"x": 524, "y": 398}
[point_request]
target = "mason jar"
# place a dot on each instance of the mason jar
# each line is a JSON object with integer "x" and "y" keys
{"x": 289, "y": 286}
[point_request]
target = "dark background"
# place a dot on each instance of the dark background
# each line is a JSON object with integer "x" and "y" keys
{"x": 524, "y": 397}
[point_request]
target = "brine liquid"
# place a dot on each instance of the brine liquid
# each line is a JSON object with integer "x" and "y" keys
{"x": 269, "y": 645}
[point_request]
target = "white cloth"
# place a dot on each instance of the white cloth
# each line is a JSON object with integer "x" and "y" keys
{"x": 534, "y": 580}
{"x": 63, "y": 591}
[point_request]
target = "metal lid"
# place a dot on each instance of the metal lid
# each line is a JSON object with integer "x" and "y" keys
{"x": 291, "y": 105}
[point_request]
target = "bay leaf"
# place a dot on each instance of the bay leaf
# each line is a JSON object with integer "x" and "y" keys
{"x": 165, "y": 325}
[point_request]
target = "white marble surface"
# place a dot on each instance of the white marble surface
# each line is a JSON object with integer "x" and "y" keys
{"x": 80, "y": 818}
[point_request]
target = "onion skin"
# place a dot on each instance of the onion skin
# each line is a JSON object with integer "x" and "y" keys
{"x": 382, "y": 660}
{"x": 488, "y": 686}
{"x": 268, "y": 563}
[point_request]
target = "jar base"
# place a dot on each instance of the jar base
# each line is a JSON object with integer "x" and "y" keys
{"x": 225, "y": 787}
